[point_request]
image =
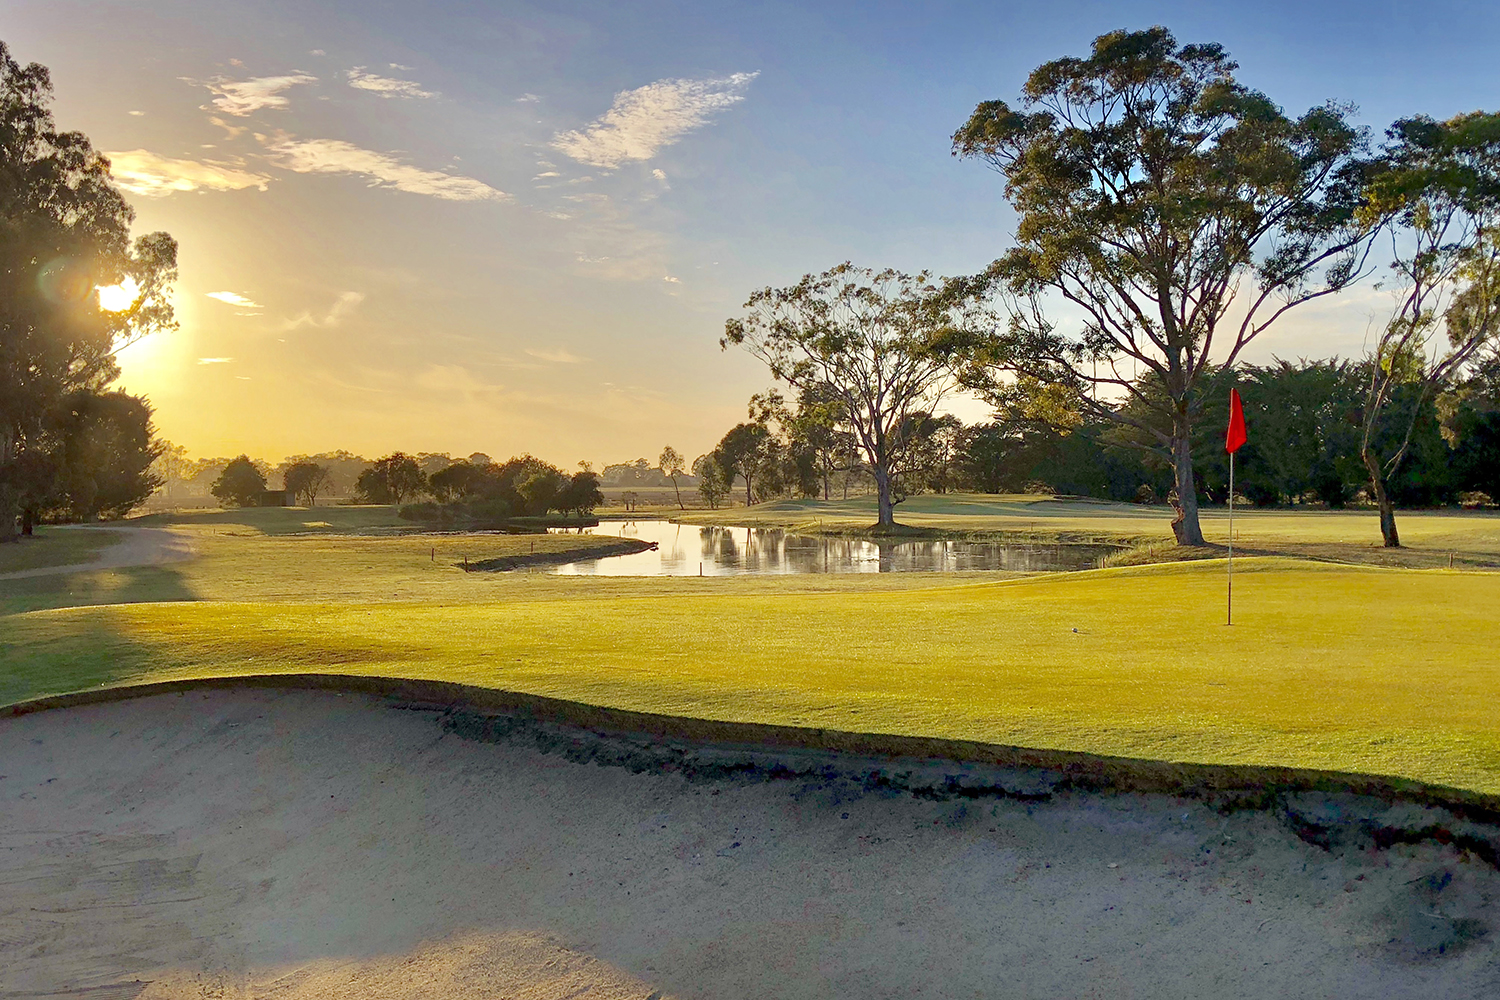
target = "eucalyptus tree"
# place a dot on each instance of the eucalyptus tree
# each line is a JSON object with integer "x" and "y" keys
{"x": 713, "y": 484}
{"x": 672, "y": 465}
{"x": 307, "y": 479}
{"x": 867, "y": 339}
{"x": 64, "y": 232}
{"x": 1173, "y": 214}
{"x": 1441, "y": 187}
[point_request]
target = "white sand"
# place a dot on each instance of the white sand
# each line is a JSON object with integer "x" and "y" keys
{"x": 298, "y": 845}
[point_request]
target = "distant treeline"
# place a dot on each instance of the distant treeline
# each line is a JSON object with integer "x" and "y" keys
{"x": 475, "y": 489}
{"x": 178, "y": 477}
{"x": 1304, "y": 423}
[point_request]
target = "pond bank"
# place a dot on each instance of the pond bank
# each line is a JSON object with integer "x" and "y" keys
{"x": 605, "y": 549}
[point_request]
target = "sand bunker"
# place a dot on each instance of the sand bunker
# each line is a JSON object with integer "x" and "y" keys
{"x": 302, "y": 844}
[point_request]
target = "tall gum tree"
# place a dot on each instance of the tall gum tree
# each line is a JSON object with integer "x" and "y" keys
{"x": 1177, "y": 211}
{"x": 64, "y": 232}
{"x": 1439, "y": 186}
{"x": 869, "y": 340}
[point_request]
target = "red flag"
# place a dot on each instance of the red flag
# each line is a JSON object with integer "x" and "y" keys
{"x": 1236, "y": 435}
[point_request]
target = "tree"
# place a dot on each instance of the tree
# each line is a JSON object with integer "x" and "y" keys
{"x": 865, "y": 337}
{"x": 630, "y": 498}
{"x": 1442, "y": 189}
{"x": 542, "y": 489}
{"x": 64, "y": 231}
{"x": 581, "y": 494}
{"x": 672, "y": 466}
{"x": 306, "y": 480}
{"x": 742, "y": 451}
{"x": 459, "y": 481}
{"x": 240, "y": 484}
{"x": 817, "y": 430}
{"x": 713, "y": 483}
{"x": 394, "y": 479}
{"x": 108, "y": 450}
{"x": 172, "y": 464}
{"x": 1153, "y": 190}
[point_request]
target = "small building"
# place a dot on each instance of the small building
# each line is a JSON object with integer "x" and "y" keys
{"x": 277, "y": 498}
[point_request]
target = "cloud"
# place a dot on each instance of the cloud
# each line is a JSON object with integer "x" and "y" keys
{"x": 642, "y": 121}
{"x": 386, "y": 86}
{"x": 334, "y": 156}
{"x": 527, "y": 99}
{"x": 214, "y": 361}
{"x": 136, "y": 114}
{"x": 546, "y": 173}
{"x": 234, "y": 299}
{"x": 317, "y": 52}
{"x": 342, "y": 307}
{"x": 244, "y": 97}
{"x": 659, "y": 174}
{"x": 560, "y": 357}
{"x": 235, "y": 131}
{"x": 144, "y": 173}
{"x": 668, "y": 278}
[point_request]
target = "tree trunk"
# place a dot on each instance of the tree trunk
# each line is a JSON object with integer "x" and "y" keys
{"x": 28, "y": 521}
{"x": 1382, "y": 500}
{"x": 749, "y": 500}
{"x": 883, "y": 493}
{"x": 1185, "y": 526}
{"x": 679, "y": 494}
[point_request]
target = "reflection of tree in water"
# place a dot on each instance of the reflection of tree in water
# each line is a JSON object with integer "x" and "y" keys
{"x": 672, "y": 556}
{"x": 729, "y": 550}
{"x": 719, "y": 546}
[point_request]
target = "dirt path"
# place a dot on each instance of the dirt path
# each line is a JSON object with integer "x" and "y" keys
{"x": 137, "y": 547}
{"x": 262, "y": 843}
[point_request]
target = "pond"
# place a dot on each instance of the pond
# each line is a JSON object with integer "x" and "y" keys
{"x": 693, "y": 550}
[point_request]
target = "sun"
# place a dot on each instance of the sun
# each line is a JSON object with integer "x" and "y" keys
{"x": 118, "y": 298}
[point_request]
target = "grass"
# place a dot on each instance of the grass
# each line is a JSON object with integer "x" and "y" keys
{"x": 1388, "y": 672}
{"x": 54, "y": 546}
{"x": 1354, "y": 668}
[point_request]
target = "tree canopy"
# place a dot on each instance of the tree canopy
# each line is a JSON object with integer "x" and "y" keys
{"x": 1173, "y": 209}
{"x": 1439, "y": 188}
{"x": 64, "y": 231}
{"x": 866, "y": 340}
{"x": 240, "y": 484}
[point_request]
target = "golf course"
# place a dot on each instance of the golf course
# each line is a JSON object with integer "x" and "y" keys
{"x": 1334, "y": 662}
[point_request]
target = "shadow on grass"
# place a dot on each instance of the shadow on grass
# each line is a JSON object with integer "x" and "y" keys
{"x": 122, "y": 585}
{"x": 41, "y": 653}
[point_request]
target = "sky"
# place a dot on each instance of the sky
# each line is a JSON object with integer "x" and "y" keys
{"x": 507, "y": 227}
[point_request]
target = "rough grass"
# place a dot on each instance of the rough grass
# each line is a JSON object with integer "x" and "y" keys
{"x": 55, "y": 546}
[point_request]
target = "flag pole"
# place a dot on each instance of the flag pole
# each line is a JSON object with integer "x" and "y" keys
{"x": 1229, "y": 608}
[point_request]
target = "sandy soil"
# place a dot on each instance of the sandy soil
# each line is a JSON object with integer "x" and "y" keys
{"x": 137, "y": 547}
{"x": 289, "y": 845}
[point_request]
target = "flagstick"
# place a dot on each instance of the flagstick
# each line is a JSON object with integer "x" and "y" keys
{"x": 1229, "y": 610}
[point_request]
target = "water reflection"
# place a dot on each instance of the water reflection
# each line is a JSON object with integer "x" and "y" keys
{"x": 693, "y": 550}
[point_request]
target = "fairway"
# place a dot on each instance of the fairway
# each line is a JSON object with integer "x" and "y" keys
{"x": 1380, "y": 671}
